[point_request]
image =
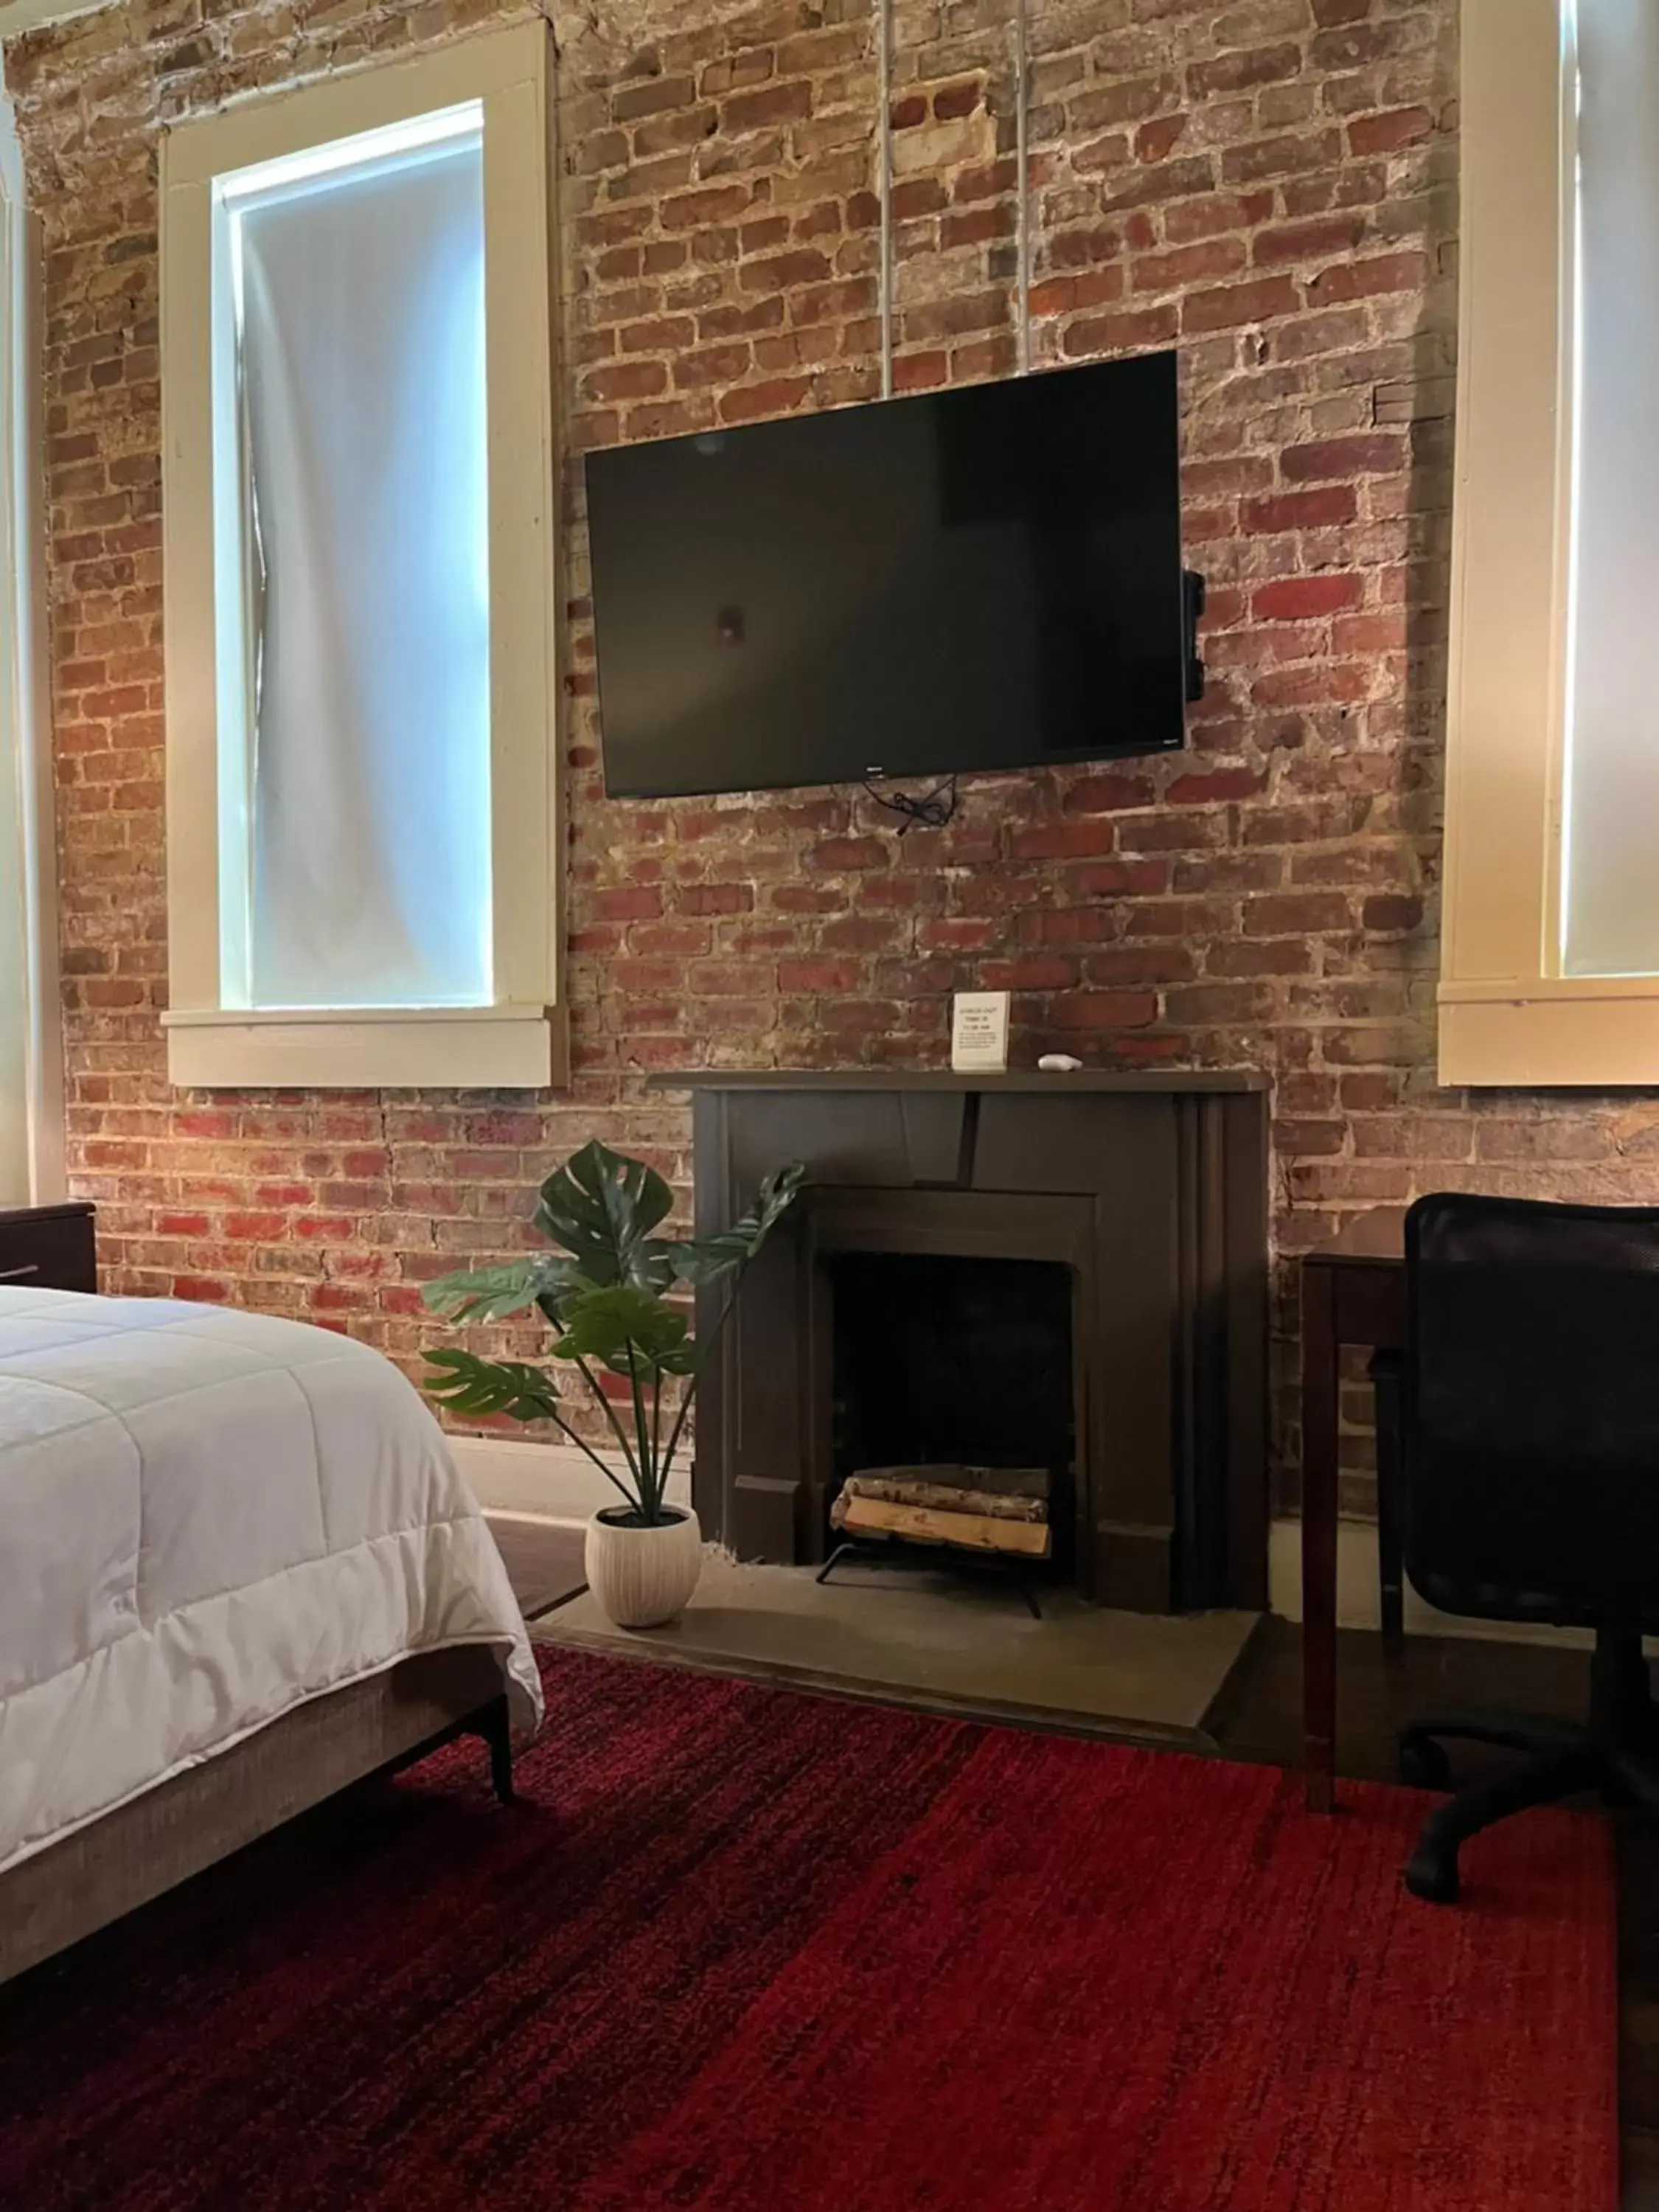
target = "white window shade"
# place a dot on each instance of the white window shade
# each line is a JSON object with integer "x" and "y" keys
{"x": 361, "y": 354}
{"x": 1610, "y": 867}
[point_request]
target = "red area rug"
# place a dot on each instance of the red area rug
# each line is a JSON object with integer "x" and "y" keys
{"x": 744, "y": 1951}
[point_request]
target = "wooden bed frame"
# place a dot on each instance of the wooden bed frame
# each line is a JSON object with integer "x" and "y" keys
{"x": 197, "y": 1818}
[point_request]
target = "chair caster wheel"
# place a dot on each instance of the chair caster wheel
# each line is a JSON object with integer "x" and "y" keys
{"x": 1424, "y": 1764}
{"x": 1433, "y": 1877}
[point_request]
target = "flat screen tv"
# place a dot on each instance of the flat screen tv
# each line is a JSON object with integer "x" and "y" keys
{"x": 987, "y": 577}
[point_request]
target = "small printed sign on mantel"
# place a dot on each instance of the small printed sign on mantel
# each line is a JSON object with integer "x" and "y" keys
{"x": 979, "y": 1032}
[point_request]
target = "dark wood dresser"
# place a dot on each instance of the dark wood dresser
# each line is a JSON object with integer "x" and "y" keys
{"x": 49, "y": 1247}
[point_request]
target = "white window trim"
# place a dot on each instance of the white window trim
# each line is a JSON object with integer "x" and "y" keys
{"x": 32, "y": 1125}
{"x": 1507, "y": 1014}
{"x": 519, "y": 1040}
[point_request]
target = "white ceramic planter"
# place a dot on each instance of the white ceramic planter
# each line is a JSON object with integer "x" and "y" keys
{"x": 643, "y": 1577}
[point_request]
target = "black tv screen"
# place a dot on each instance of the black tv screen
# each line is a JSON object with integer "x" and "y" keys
{"x": 987, "y": 577}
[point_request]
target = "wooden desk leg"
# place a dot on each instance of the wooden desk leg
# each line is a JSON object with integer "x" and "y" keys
{"x": 1319, "y": 1516}
{"x": 1391, "y": 1579}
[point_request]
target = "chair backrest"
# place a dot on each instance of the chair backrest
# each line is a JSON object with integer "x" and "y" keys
{"x": 1531, "y": 1409}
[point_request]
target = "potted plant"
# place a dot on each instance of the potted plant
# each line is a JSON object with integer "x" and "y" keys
{"x": 614, "y": 1295}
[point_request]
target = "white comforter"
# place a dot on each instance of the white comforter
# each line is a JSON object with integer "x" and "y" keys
{"x": 205, "y": 1518}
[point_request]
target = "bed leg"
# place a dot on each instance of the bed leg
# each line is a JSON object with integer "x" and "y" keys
{"x": 497, "y": 1732}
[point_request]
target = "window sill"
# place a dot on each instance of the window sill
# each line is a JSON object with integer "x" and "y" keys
{"x": 364, "y": 1049}
{"x": 1587, "y": 1033}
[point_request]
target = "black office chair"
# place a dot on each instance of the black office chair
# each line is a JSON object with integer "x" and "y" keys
{"x": 1528, "y": 1452}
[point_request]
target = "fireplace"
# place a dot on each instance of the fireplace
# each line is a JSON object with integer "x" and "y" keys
{"x": 942, "y": 1365}
{"x": 1067, "y": 1272}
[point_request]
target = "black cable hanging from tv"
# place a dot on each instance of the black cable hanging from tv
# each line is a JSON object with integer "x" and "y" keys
{"x": 923, "y": 809}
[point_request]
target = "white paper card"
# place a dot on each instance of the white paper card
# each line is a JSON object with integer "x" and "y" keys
{"x": 979, "y": 1031}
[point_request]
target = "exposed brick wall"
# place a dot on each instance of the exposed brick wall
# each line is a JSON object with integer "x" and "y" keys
{"x": 1271, "y": 184}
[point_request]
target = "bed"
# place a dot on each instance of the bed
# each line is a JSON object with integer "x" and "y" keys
{"x": 238, "y": 1570}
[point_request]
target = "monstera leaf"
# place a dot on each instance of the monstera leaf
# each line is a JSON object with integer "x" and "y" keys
{"x": 628, "y": 1329}
{"x": 707, "y": 1259}
{"x": 496, "y": 1293}
{"x": 482, "y": 1388}
{"x": 602, "y": 1209}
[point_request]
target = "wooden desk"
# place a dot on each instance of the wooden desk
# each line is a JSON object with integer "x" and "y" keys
{"x": 1353, "y": 1291}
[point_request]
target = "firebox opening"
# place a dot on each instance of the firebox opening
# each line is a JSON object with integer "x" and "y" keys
{"x": 953, "y": 1362}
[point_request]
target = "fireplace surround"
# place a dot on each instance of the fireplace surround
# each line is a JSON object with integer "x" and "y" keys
{"x": 1150, "y": 1190}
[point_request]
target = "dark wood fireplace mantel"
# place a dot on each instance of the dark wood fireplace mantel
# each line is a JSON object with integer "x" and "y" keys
{"x": 1150, "y": 1188}
{"x": 1195, "y": 1082}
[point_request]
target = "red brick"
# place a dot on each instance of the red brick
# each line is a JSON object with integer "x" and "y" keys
{"x": 1362, "y": 280}
{"x": 1388, "y": 912}
{"x": 663, "y": 334}
{"x": 1242, "y": 68}
{"x": 1370, "y": 633}
{"x": 1271, "y": 956}
{"x": 1352, "y": 48}
{"x": 919, "y": 372}
{"x": 1034, "y": 974}
{"x": 1106, "y": 794}
{"x": 628, "y": 903}
{"x": 714, "y": 365}
{"x": 1118, "y": 878}
{"x": 1053, "y": 841}
{"x": 1317, "y": 239}
{"x": 1207, "y": 787}
{"x": 977, "y": 226}
{"x": 1295, "y": 912}
{"x": 819, "y": 975}
{"x": 848, "y": 852}
{"x": 1386, "y": 134}
{"x": 956, "y": 100}
{"x": 1368, "y": 454}
{"x": 626, "y": 380}
{"x": 779, "y": 397}
{"x": 1158, "y": 138}
{"x": 1301, "y": 599}
{"x": 1089, "y": 287}
{"x": 1321, "y": 509}
{"x": 1131, "y": 331}
{"x": 772, "y": 103}
{"x": 696, "y": 210}
{"x": 1189, "y": 264}
{"x": 1106, "y": 1009}
{"x": 651, "y": 96}
{"x": 1231, "y": 304}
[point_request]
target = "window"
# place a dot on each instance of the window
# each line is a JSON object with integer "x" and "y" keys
{"x": 1550, "y": 957}
{"x": 359, "y": 546}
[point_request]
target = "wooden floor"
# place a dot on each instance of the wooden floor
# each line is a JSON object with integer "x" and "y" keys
{"x": 1260, "y": 1719}
{"x": 543, "y": 1561}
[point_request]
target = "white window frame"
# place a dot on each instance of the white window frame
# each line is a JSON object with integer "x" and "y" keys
{"x": 31, "y": 1120}
{"x": 520, "y": 1039}
{"x": 1508, "y": 1013}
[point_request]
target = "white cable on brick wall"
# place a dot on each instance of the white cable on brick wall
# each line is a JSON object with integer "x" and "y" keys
{"x": 884, "y": 186}
{"x": 1022, "y": 211}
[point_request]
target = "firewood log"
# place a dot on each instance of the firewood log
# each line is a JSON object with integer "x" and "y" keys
{"x": 921, "y": 1524}
{"x": 945, "y": 1496}
{"x": 996, "y": 1481}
